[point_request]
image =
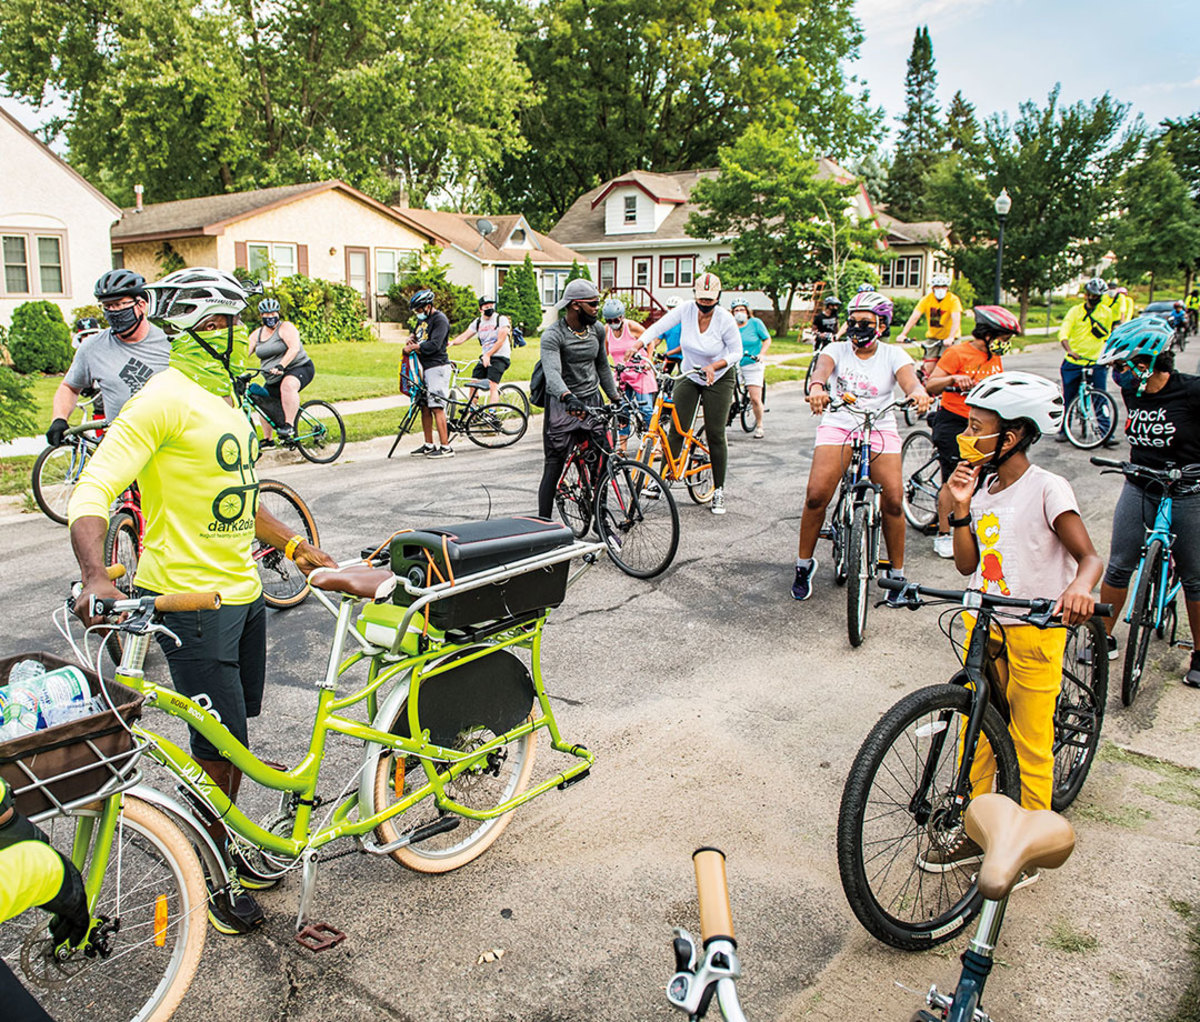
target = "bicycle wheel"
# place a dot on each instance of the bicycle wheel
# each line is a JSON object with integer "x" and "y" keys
{"x": 573, "y": 498}
{"x": 512, "y": 394}
{"x": 320, "y": 432}
{"x": 899, "y": 803}
{"x": 154, "y": 888}
{"x": 1091, "y": 419}
{"x": 502, "y": 774}
{"x": 1079, "y": 710}
{"x": 698, "y": 471}
{"x": 922, "y": 473}
{"x": 55, "y": 473}
{"x": 284, "y": 584}
{"x": 746, "y": 411}
{"x": 498, "y": 425}
{"x": 839, "y": 532}
{"x": 812, "y": 364}
{"x": 860, "y": 572}
{"x": 121, "y": 545}
{"x": 1141, "y": 622}
{"x": 637, "y": 518}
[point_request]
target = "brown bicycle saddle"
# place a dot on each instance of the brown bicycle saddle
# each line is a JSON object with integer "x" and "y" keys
{"x": 359, "y": 580}
{"x": 1015, "y": 839}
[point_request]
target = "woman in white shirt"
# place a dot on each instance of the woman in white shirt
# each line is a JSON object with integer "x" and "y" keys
{"x": 711, "y": 347}
{"x": 868, "y": 369}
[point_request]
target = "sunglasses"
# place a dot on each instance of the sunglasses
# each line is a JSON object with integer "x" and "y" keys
{"x": 590, "y": 305}
{"x": 613, "y": 322}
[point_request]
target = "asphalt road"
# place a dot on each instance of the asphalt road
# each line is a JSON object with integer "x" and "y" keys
{"x": 722, "y": 712}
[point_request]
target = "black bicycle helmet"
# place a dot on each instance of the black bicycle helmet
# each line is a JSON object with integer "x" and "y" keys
{"x": 120, "y": 284}
{"x": 831, "y": 300}
{"x": 483, "y": 301}
{"x": 420, "y": 299}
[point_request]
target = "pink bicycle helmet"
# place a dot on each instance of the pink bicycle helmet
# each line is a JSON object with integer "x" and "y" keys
{"x": 873, "y": 301}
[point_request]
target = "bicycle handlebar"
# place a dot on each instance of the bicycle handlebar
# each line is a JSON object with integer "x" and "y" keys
{"x": 1174, "y": 474}
{"x": 712, "y": 894}
{"x": 975, "y": 598}
{"x": 170, "y": 603}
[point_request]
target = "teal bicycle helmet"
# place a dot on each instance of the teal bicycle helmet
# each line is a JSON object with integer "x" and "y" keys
{"x": 1145, "y": 336}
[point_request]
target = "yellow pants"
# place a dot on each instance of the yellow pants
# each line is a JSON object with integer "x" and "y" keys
{"x": 1030, "y": 685}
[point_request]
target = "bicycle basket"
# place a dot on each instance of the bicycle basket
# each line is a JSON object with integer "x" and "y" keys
{"x": 72, "y": 763}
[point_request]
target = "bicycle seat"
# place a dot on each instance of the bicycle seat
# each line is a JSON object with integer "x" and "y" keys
{"x": 359, "y": 580}
{"x": 1015, "y": 839}
{"x": 475, "y": 384}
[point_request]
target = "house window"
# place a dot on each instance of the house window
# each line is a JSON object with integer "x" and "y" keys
{"x": 631, "y": 209}
{"x": 677, "y": 271}
{"x": 33, "y": 264}
{"x": 50, "y": 269}
{"x": 518, "y": 237}
{"x": 118, "y": 259}
{"x": 553, "y": 282}
{"x": 608, "y": 274}
{"x": 904, "y": 272}
{"x": 272, "y": 260}
{"x": 387, "y": 262}
{"x": 722, "y": 256}
{"x": 16, "y": 265}
{"x": 687, "y": 270}
{"x": 641, "y": 272}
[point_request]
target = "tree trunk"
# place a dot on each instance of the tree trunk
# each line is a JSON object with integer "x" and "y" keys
{"x": 1023, "y": 295}
{"x": 1151, "y": 298}
{"x": 786, "y": 322}
{"x": 774, "y": 296}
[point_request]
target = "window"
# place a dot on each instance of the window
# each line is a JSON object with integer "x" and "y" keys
{"x": 16, "y": 265}
{"x": 641, "y": 272}
{"x": 553, "y": 282}
{"x": 722, "y": 256}
{"x": 118, "y": 259}
{"x": 904, "y": 272}
{"x": 50, "y": 270}
{"x": 631, "y": 209}
{"x": 387, "y": 263}
{"x": 518, "y": 237}
{"x": 34, "y": 263}
{"x": 271, "y": 260}
{"x": 677, "y": 271}
{"x": 687, "y": 270}
{"x": 607, "y": 274}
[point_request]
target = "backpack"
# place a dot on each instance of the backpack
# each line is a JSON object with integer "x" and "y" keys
{"x": 517, "y": 336}
{"x": 537, "y": 385}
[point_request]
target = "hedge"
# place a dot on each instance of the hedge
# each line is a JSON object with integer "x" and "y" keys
{"x": 39, "y": 341}
{"x": 324, "y": 311}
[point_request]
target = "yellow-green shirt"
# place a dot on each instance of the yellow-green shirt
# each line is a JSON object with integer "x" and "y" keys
{"x": 1087, "y": 330}
{"x": 1123, "y": 307}
{"x": 31, "y": 873}
{"x": 941, "y": 314}
{"x": 1191, "y": 302}
{"x": 193, "y": 457}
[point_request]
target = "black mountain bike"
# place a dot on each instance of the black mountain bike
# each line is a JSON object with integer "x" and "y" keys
{"x": 911, "y": 783}
{"x": 497, "y": 425}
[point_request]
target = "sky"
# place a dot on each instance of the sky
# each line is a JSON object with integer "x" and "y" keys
{"x": 1002, "y": 52}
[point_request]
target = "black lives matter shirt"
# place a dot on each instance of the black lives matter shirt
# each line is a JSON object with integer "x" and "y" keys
{"x": 1164, "y": 427}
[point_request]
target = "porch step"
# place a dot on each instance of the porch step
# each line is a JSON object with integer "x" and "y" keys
{"x": 392, "y": 333}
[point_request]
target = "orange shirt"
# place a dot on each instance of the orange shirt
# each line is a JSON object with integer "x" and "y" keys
{"x": 965, "y": 360}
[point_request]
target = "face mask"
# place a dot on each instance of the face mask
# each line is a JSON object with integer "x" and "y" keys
{"x": 740, "y": 316}
{"x": 124, "y": 321}
{"x": 586, "y": 316}
{"x": 1091, "y": 301}
{"x": 1131, "y": 376}
{"x": 706, "y": 307}
{"x": 861, "y": 334}
{"x": 192, "y": 353}
{"x": 487, "y": 313}
{"x": 968, "y": 447}
{"x": 939, "y": 293}
{"x": 270, "y": 322}
{"x": 422, "y": 316}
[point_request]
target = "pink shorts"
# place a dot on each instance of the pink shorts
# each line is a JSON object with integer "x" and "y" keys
{"x": 883, "y": 441}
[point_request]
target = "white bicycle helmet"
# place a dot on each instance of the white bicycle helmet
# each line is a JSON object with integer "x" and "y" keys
{"x": 939, "y": 280}
{"x": 1017, "y": 395}
{"x": 187, "y": 297}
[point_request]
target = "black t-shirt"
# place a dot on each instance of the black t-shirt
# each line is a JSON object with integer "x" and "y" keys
{"x": 432, "y": 335}
{"x": 1165, "y": 427}
{"x": 823, "y": 324}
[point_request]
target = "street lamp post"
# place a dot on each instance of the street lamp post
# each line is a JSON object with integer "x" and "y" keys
{"x": 1003, "y": 205}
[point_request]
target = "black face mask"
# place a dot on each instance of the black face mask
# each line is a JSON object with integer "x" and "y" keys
{"x": 862, "y": 334}
{"x": 486, "y": 313}
{"x": 706, "y": 307}
{"x": 270, "y": 322}
{"x": 124, "y": 321}
{"x": 586, "y": 316}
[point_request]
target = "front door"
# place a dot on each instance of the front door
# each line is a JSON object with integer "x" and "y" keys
{"x": 641, "y": 273}
{"x": 358, "y": 276}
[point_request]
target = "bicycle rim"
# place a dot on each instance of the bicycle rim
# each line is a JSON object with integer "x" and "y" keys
{"x": 1079, "y": 710}
{"x": 746, "y": 413}
{"x": 922, "y": 474}
{"x": 154, "y": 885}
{"x": 859, "y": 570}
{"x": 121, "y": 547}
{"x": 284, "y": 584}
{"x": 573, "y": 498}
{"x": 698, "y": 471}
{"x": 887, "y": 822}
{"x": 637, "y": 518}
{"x": 55, "y": 474}
{"x": 1141, "y": 623}
{"x": 511, "y": 394}
{"x": 498, "y": 425}
{"x": 320, "y": 433}
{"x": 1083, "y": 420}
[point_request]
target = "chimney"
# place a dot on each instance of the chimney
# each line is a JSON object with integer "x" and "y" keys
{"x": 137, "y": 195}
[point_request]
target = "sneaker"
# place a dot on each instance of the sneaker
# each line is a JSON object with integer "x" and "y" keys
{"x": 758, "y": 433}
{"x": 1060, "y": 438}
{"x": 802, "y": 586}
{"x": 717, "y": 507}
{"x": 1192, "y": 678}
{"x": 652, "y": 492}
{"x": 1085, "y": 655}
{"x": 943, "y": 545}
{"x": 895, "y": 597}
{"x": 1027, "y": 878}
{"x": 266, "y": 443}
{"x": 961, "y": 851}
{"x": 440, "y": 452}
{"x": 233, "y": 912}
{"x": 247, "y": 875}
{"x": 1111, "y": 442}
{"x": 421, "y": 451}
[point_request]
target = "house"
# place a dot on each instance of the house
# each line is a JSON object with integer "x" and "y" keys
{"x": 633, "y": 231}
{"x": 324, "y": 229}
{"x": 53, "y": 226}
{"x": 921, "y": 250}
{"x": 479, "y": 251}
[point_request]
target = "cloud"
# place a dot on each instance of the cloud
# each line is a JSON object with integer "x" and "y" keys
{"x": 1161, "y": 88}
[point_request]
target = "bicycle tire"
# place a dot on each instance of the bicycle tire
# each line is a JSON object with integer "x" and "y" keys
{"x": 55, "y": 473}
{"x": 1084, "y": 430}
{"x": 860, "y": 573}
{"x": 876, "y": 900}
{"x": 406, "y": 423}
{"x": 812, "y": 363}
{"x": 698, "y": 471}
{"x": 746, "y": 411}
{"x": 138, "y": 980}
{"x": 320, "y": 433}
{"x": 922, "y": 474}
{"x": 121, "y": 546}
{"x": 1141, "y": 623}
{"x": 471, "y": 838}
{"x": 573, "y": 496}
{"x": 1079, "y": 710}
{"x": 840, "y": 535}
{"x": 637, "y": 518}
{"x": 284, "y": 584}
{"x": 496, "y": 426}
{"x": 512, "y": 394}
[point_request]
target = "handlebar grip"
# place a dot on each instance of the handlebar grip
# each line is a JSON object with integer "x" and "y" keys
{"x": 115, "y": 571}
{"x": 1104, "y": 610}
{"x": 894, "y": 584}
{"x": 1106, "y": 462}
{"x": 712, "y": 893}
{"x": 175, "y": 602}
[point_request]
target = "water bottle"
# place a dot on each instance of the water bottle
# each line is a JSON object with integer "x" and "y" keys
{"x": 25, "y": 670}
{"x": 18, "y": 713}
{"x": 63, "y": 695}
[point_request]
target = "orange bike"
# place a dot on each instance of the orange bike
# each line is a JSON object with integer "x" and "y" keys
{"x": 693, "y": 464}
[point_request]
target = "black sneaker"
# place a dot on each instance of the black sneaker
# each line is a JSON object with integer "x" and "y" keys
{"x": 440, "y": 452}
{"x": 802, "y": 586}
{"x": 1192, "y": 678}
{"x": 961, "y": 851}
{"x": 1085, "y": 655}
{"x": 266, "y": 443}
{"x": 233, "y": 912}
{"x": 420, "y": 452}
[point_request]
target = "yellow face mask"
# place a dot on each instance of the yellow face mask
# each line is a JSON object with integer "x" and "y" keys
{"x": 968, "y": 447}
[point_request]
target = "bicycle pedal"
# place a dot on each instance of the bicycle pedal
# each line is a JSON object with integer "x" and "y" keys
{"x": 319, "y": 937}
{"x": 826, "y": 532}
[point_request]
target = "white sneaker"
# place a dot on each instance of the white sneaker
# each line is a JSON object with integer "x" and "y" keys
{"x": 718, "y": 501}
{"x": 943, "y": 546}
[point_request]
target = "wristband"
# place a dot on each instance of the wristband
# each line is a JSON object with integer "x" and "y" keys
{"x": 959, "y": 523}
{"x": 290, "y": 550}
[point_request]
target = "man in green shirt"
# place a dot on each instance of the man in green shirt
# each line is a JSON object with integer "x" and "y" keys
{"x": 1084, "y": 330}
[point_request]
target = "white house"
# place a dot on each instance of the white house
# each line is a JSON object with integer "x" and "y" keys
{"x": 53, "y": 226}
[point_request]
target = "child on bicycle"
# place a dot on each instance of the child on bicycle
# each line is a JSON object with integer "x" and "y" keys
{"x": 1018, "y": 533}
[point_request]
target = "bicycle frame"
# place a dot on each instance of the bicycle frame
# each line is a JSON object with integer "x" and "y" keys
{"x": 1165, "y": 593}
{"x": 658, "y": 437}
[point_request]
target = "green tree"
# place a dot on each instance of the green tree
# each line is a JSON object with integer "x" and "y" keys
{"x": 663, "y": 84}
{"x": 1059, "y": 165}
{"x": 425, "y": 270}
{"x": 16, "y": 406}
{"x": 519, "y": 299}
{"x": 920, "y": 141}
{"x": 1181, "y": 139}
{"x": 578, "y": 272}
{"x": 962, "y": 127}
{"x": 786, "y": 226}
{"x": 1157, "y": 229}
{"x": 39, "y": 341}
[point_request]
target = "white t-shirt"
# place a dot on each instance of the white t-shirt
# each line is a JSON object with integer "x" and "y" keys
{"x": 487, "y": 329}
{"x": 722, "y": 339}
{"x": 871, "y": 380}
{"x": 1020, "y": 555}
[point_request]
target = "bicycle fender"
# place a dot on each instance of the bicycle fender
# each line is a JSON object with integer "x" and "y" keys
{"x": 181, "y": 815}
